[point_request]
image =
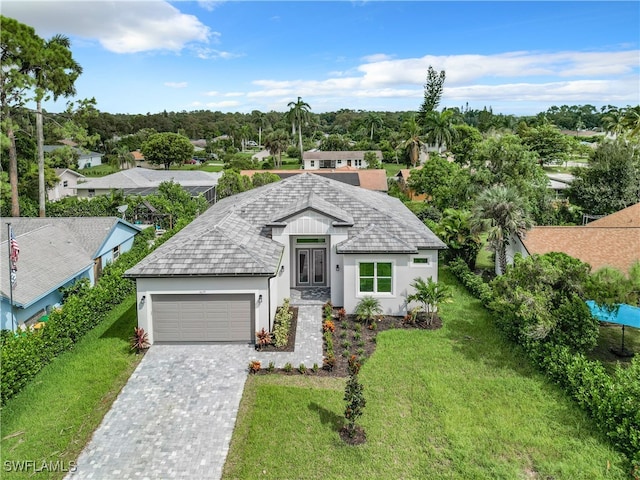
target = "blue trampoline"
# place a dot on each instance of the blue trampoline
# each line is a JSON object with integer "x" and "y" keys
{"x": 626, "y": 315}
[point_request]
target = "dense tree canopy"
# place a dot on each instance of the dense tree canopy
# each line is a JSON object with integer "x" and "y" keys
{"x": 612, "y": 181}
{"x": 167, "y": 149}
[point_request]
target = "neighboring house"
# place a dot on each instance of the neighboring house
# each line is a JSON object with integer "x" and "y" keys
{"x": 145, "y": 181}
{"x": 612, "y": 241}
{"x": 317, "y": 159}
{"x": 66, "y": 187}
{"x": 54, "y": 253}
{"x": 375, "y": 179}
{"x": 222, "y": 277}
{"x": 402, "y": 178}
{"x": 86, "y": 158}
{"x": 559, "y": 183}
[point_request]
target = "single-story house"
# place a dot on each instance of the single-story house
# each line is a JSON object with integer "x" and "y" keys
{"x": 66, "y": 186}
{"x": 145, "y": 181}
{"x": 371, "y": 179}
{"x": 54, "y": 253}
{"x": 613, "y": 241}
{"x": 86, "y": 158}
{"x": 222, "y": 277}
{"x": 318, "y": 159}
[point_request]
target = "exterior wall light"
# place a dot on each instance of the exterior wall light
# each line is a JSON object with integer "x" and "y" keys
{"x": 260, "y": 298}
{"x": 337, "y": 268}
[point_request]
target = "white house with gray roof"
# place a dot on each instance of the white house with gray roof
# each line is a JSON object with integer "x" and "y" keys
{"x": 54, "y": 253}
{"x": 222, "y": 277}
{"x": 145, "y": 181}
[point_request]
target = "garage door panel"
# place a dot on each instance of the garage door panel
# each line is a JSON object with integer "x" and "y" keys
{"x": 207, "y": 317}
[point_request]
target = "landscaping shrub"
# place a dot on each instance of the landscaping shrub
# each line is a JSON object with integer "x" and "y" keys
{"x": 282, "y": 325}
{"x": 474, "y": 283}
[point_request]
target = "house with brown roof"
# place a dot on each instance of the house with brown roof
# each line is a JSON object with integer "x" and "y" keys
{"x": 611, "y": 241}
{"x": 374, "y": 179}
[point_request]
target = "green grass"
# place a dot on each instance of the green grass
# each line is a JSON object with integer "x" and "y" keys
{"x": 393, "y": 168}
{"x": 53, "y": 418}
{"x": 457, "y": 403}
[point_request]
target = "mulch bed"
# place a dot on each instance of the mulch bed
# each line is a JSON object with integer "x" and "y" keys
{"x": 291, "y": 341}
{"x": 360, "y": 338}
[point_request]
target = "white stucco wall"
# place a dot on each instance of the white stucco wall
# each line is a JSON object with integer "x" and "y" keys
{"x": 147, "y": 287}
{"x": 404, "y": 272}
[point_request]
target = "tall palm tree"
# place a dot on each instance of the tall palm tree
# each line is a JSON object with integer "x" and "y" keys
{"x": 614, "y": 122}
{"x": 500, "y": 212}
{"x": 439, "y": 128}
{"x": 55, "y": 73}
{"x": 412, "y": 139}
{"x": 373, "y": 119}
{"x": 299, "y": 113}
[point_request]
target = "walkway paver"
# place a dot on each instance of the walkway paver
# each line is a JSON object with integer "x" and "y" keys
{"x": 175, "y": 416}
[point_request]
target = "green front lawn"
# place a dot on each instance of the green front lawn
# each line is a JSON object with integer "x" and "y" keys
{"x": 53, "y": 418}
{"x": 393, "y": 168}
{"x": 458, "y": 402}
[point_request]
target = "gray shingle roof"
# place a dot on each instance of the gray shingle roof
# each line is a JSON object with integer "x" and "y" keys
{"x": 52, "y": 250}
{"x": 374, "y": 239}
{"x": 147, "y": 178}
{"x": 233, "y": 237}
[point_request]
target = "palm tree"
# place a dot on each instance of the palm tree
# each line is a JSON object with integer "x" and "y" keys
{"x": 413, "y": 141}
{"x": 614, "y": 122}
{"x": 298, "y": 113}
{"x": 55, "y": 73}
{"x": 367, "y": 309}
{"x": 431, "y": 295}
{"x": 373, "y": 119}
{"x": 439, "y": 128}
{"x": 500, "y": 212}
{"x": 123, "y": 158}
{"x": 276, "y": 142}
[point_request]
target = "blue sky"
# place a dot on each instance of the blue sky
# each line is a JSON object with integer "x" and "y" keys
{"x": 235, "y": 56}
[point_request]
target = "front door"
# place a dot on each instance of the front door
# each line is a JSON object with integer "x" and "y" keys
{"x": 311, "y": 268}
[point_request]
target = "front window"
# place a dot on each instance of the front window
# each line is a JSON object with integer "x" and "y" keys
{"x": 327, "y": 164}
{"x": 116, "y": 252}
{"x": 375, "y": 277}
{"x": 92, "y": 192}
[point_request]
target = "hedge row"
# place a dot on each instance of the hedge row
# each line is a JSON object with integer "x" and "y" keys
{"x": 613, "y": 401}
{"x": 25, "y": 354}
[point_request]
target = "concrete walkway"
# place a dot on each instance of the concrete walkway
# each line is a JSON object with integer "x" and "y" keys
{"x": 175, "y": 416}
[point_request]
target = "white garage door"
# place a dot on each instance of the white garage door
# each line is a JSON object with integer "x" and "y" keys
{"x": 203, "y": 318}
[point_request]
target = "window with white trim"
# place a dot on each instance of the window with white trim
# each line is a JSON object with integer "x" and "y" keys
{"x": 65, "y": 184}
{"x": 312, "y": 163}
{"x": 375, "y": 277}
{"x": 115, "y": 252}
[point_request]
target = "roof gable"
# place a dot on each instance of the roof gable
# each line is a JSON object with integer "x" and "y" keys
{"x": 312, "y": 201}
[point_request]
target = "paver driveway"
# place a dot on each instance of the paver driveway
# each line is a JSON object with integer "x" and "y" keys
{"x": 173, "y": 419}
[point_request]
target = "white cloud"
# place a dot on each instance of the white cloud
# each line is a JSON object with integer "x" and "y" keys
{"x": 175, "y": 84}
{"x": 212, "y": 93}
{"x": 557, "y": 77}
{"x": 213, "y": 54}
{"x": 120, "y": 27}
{"x": 377, "y": 57}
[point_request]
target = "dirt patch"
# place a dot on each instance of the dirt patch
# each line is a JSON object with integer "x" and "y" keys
{"x": 358, "y": 437}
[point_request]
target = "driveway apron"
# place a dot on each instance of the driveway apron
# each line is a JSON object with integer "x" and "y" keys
{"x": 173, "y": 419}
